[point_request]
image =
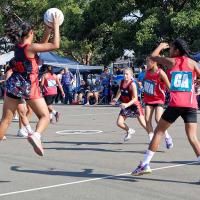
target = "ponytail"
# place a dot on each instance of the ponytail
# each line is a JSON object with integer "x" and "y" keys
{"x": 16, "y": 32}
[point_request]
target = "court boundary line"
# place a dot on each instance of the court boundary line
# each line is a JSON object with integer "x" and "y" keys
{"x": 78, "y": 132}
{"x": 88, "y": 180}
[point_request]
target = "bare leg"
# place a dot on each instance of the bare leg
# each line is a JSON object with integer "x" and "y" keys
{"x": 80, "y": 97}
{"x": 158, "y": 113}
{"x": 39, "y": 107}
{"x": 9, "y": 108}
{"x": 191, "y": 131}
{"x": 22, "y": 110}
{"x": 29, "y": 112}
{"x": 142, "y": 121}
{"x": 96, "y": 96}
{"x": 158, "y": 134}
{"x": 121, "y": 123}
{"x": 148, "y": 118}
{"x": 89, "y": 94}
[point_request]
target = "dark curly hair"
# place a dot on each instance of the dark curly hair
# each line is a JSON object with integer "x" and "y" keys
{"x": 16, "y": 32}
{"x": 183, "y": 48}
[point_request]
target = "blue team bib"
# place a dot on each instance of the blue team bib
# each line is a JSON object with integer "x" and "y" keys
{"x": 51, "y": 83}
{"x": 149, "y": 87}
{"x": 181, "y": 81}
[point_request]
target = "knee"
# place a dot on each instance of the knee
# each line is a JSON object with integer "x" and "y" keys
{"x": 44, "y": 115}
{"x": 157, "y": 120}
{"x": 192, "y": 139}
{"x": 148, "y": 123}
{"x": 159, "y": 132}
{"x": 119, "y": 124}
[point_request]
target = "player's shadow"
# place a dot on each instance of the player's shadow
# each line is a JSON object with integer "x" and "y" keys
{"x": 85, "y": 173}
{"x": 92, "y": 149}
{"x": 184, "y": 162}
{"x": 92, "y": 143}
{"x": 81, "y": 143}
{"x": 136, "y": 179}
{"x": 89, "y": 173}
{"x": 5, "y": 182}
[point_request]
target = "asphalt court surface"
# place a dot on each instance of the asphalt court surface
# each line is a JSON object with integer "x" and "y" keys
{"x": 96, "y": 165}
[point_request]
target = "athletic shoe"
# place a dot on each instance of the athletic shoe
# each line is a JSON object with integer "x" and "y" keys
{"x": 36, "y": 143}
{"x": 22, "y": 133}
{"x": 4, "y": 137}
{"x": 128, "y": 135}
{"x": 169, "y": 143}
{"x": 141, "y": 169}
{"x": 57, "y": 116}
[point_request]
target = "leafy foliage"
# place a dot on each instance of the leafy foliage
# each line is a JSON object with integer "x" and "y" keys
{"x": 97, "y": 32}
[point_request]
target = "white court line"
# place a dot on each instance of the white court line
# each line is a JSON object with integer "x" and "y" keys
{"x": 78, "y": 132}
{"x": 88, "y": 180}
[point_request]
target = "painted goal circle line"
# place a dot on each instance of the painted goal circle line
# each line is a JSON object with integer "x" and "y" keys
{"x": 78, "y": 132}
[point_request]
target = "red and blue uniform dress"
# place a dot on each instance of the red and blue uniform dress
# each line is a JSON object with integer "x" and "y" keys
{"x": 183, "y": 100}
{"x": 24, "y": 82}
{"x": 134, "y": 110}
{"x": 154, "y": 89}
{"x": 49, "y": 88}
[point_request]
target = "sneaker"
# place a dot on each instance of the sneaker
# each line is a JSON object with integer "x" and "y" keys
{"x": 169, "y": 143}
{"x": 140, "y": 170}
{"x": 36, "y": 143}
{"x": 57, "y": 116}
{"x": 22, "y": 133}
{"x": 4, "y": 137}
{"x": 128, "y": 135}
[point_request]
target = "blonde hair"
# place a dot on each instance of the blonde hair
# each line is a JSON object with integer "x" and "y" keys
{"x": 129, "y": 69}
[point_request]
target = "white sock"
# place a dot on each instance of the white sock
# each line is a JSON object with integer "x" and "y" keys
{"x": 51, "y": 115}
{"x": 147, "y": 157}
{"x": 22, "y": 129}
{"x": 38, "y": 135}
{"x": 198, "y": 158}
{"x": 151, "y": 134}
{"x": 167, "y": 134}
{"x": 54, "y": 112}
{"x": 28, "y": 128}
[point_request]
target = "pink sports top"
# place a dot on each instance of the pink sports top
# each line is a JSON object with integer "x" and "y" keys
{"x": 50, "y": 86}
{"x": 182, "y": 90}
{"x": 154, "y": 88}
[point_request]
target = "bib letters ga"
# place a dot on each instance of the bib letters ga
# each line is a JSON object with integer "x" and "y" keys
{"x": 181, "y": 81}
{"x": 149, "y": 87}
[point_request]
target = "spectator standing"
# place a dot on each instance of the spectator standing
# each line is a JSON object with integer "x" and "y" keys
{"x": 59, "y": 96}
{"x": 67, "y": 81}
{"x": 106, "y": 78}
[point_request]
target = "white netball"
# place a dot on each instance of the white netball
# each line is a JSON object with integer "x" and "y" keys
{"x": 48, "y": 16}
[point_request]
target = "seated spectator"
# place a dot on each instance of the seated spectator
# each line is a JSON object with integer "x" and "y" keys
{"x": 94, "y": 91}
{"x": 81, "y": 92}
